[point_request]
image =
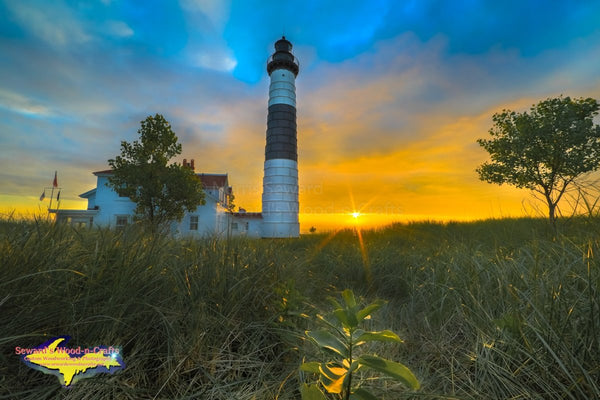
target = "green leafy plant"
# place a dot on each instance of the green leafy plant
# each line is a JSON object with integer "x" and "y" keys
{"x": 343, "y": 339}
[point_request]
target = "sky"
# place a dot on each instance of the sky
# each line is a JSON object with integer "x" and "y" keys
{"x": 391, "y": 95}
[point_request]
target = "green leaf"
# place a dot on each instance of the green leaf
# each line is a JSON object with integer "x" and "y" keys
{"x": 333, "y": 377}
{"x": 328, "y": 341}
{"x": 311, "y": 392}
{"x": 368, "y": 310}
{"x": 312, "y": 366}
{"x": 341, "y": 315}
{"x": 328, "y": 321}
{"x": 356, "y": 334}
{"x": 392, "y": 369}
{"x": 334, "y": 302}
{"x": 346, "y": 317}
{"x": 383, "y": 336}
{"x": 362, "y": 394}
{"x": 349, "y": 298}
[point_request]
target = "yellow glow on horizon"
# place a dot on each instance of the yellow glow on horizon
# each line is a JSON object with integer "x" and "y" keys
{"x": 28, "y": 207}
{"x": 497, "y": 203}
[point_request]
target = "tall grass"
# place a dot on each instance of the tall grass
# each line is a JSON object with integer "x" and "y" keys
{"x": 494, "y": 309}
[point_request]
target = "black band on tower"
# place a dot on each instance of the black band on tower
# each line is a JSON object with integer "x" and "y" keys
{"x": 281, "y": 133}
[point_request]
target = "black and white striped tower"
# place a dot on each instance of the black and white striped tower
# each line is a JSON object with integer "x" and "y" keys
{"x": 280, "y": 183}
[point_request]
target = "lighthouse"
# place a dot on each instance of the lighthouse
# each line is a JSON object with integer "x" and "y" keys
{"x": 280, "y": 181}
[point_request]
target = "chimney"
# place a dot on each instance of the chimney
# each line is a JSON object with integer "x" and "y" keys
{"x": 185, "y": 162}
{"x": 192, "y": 164}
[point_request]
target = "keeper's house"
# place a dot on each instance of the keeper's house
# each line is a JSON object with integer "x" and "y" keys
{"x": 107, "y": 208}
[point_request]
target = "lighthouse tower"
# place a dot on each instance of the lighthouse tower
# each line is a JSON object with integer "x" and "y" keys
{"x": 280, "y": 182}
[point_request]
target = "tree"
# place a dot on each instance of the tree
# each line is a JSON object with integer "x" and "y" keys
{"x": 546, "y": 150}
{"x": 162, "y": 192}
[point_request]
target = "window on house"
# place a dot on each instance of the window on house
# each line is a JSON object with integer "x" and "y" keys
{"x": 234, "y": 226}
{"x": 91, "y": 221}
{"x": 193, "y": 222}
{"x": 121, "y": 221}
{"x": 247, "y": 225}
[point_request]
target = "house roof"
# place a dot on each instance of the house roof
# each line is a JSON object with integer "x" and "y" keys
{"x": 88, "y": 193}
{"x": 213, "y": 180}
{"x": 208, "y": 180}
{"x": 104, "y": 172}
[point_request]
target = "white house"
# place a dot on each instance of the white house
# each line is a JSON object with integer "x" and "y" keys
{"x": 107, "y": 208}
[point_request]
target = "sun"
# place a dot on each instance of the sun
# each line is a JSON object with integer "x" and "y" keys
{"x": 355, "y": 214}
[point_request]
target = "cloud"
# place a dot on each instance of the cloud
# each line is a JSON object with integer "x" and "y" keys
{"x": 20, "y": 104}
{"x": 215, "y": 11}
{"x": 119, "y": 29}
{"x": 56, "y": 25}
{"x": 406, "y": 89}
{"x": 216, "y": 59}
{"x": 205, "y": 47}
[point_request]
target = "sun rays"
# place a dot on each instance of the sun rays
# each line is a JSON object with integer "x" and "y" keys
{"x": 356, "y": 217}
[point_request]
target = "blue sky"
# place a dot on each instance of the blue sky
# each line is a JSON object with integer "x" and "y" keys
{"x": 391, "y": 94}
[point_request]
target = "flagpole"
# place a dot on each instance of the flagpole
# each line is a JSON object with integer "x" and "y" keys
{"x": 54, "y": 184}
{"x": 51, "y": 196}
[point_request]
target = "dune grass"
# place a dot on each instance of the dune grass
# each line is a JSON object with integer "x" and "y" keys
{"x": 494, "y": 309}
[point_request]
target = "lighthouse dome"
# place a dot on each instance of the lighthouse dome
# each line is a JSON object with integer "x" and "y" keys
{"x": 283, "y": 45}
{"x": 283, "y": 57}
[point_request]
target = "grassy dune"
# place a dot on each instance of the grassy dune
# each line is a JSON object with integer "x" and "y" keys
{"x": 495, "y": 309}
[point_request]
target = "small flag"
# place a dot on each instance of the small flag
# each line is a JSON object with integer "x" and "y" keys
{"x": 55, "y": 182}
{"x": 58, "y": 196}
{"x": 43, "y": 196}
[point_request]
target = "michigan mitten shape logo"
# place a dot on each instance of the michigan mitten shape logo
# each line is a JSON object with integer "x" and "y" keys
{"x": 71, "y": 364}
